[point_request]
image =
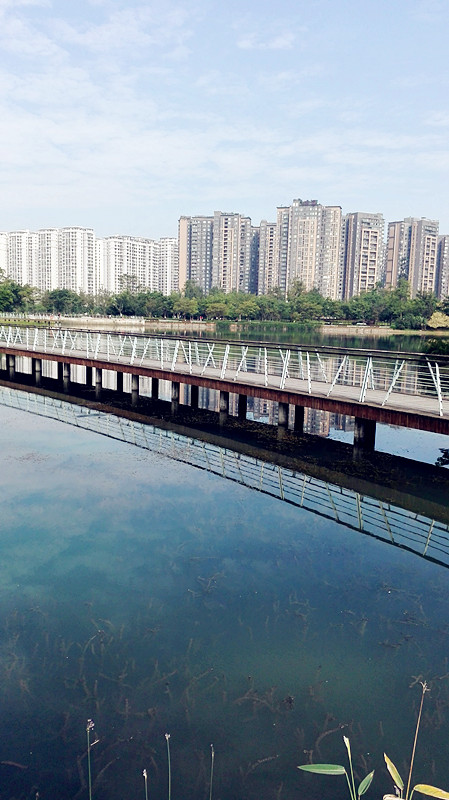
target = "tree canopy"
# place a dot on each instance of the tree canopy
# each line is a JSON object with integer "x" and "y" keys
{"x": 394, "y": 307}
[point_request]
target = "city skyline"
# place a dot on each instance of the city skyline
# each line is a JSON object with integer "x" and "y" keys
{"x": 340, "y": 255}
{"x": 124, "y": 116}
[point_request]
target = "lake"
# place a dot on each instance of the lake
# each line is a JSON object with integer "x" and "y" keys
{"x": 156, "y": 598}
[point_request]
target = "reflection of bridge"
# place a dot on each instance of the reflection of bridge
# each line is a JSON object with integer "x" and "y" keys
{"x": 384, "y": 520}
{"x": 411, "y": 390}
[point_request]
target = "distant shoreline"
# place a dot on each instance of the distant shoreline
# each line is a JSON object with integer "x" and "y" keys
{"x": 141, "y": 324}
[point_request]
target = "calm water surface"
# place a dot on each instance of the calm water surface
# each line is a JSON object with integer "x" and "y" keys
{"x": 156, "y": 598}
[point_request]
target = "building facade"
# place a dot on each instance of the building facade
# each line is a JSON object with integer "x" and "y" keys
{"x": 362, "y": 253}
{"x": 411, "y": 253}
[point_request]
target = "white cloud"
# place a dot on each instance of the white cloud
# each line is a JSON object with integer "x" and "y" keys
{"x": 281, "y": 41}
{"x": 440, "y": 119}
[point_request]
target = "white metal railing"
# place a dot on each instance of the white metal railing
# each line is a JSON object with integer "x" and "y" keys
{"x": 420, "y": 534}
{"x": 376, "y": 377}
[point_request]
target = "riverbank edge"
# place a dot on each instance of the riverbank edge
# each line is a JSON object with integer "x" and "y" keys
{"x": 177, "y": 325}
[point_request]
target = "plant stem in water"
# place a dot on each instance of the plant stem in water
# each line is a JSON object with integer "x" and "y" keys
{"x": 212, "y": 758}
{"x": 424, "y": 690}
{"x": 167, "y": 739}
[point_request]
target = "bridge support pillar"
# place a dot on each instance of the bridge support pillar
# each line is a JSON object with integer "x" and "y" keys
{"x": 119, "y": 384}
{"x": 134, "y": 389}
{"x": 60, "y": 373}
{"x": 364, "y": 435}
{"x": 283, "y": 415}
{"x": 155, "y": 388}
{"x": 36, "y": 370}
{"x": 299, "y": 419}
{"x": 194, "y": 396}
{"x": 98, "y": 383}
{"x": 89, "y": 377}
{"x": 224, "y": 407}
{"x": 242, "y": 406}
{"x": 174, "y": 397}
{"x": 66, "y": 377}
{"x": 11, "y": 366}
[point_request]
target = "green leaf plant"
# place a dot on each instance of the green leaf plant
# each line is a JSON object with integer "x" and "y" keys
{"x": 423, "y": 788}
{"x": 337, "y": 769}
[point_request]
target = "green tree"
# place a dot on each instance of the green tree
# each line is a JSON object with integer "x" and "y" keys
{"x": 185, "y": 307}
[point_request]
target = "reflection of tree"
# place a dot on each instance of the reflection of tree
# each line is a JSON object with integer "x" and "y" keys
{"x": 443, "y": 460}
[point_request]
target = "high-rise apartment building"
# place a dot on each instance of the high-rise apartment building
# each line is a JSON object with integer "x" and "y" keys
{"x": 234, "y": 253}
{"x": 4, "y": 253}
{"x": 47, "y": 272}
{"x": 443, "y": 267}
{"x": 308, "y": 246}
{"x": 76, "y": 259}
{"x": 362, "y": 252}
{"x": 18, "y": 251}
{"x": 131, "y": 262}
{"x": 219, "y": 251}
{"x": 412, "y": 254}
{"x": 168, "y": 268}
{"x": 195, "y": 237}
{"x": 268, "y": 273}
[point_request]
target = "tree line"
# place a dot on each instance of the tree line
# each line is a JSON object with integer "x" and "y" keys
{"x": 394, "y": 307}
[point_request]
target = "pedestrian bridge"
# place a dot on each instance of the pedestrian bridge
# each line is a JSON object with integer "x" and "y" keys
{"x": 408, "y": 389}
{"x": 396, "y": 525}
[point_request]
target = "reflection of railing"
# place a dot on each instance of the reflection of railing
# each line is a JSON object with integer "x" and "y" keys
{"x": 417, "y": 533}
{"x": 348, "y": 375}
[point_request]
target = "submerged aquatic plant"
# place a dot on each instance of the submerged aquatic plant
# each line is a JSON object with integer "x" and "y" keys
{"x": 423, "y": 788}
{"x": 337, "y": 769}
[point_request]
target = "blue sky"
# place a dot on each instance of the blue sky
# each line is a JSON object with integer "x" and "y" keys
{"x": 122, "y": 115}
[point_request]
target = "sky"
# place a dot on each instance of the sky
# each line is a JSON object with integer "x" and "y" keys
{"x": 123, "y": 115}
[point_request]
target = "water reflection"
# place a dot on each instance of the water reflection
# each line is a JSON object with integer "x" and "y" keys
{"x": 154, "y": 597}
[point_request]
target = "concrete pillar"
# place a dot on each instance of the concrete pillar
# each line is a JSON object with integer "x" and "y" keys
{"x": 224, "y": 407}
{"x": 174, "y": 396}
{"x": 11, "y": 366}
{"x": 283, "y": 415}
{"x": 364, "y": 435}
{"x": 66, "y": 377}
{"x": 155, "y": 388}
{"x": 89, "y": 377}
{"x": 60, "y": 373}
{"x": 134, "y": 389}
{"x": 242, "y": 406}
{"x": 119, "y": 387}
{"x": 36, "y": 369}
{"x": 299, "y": 419}
{"x": 194, "y": 396}
{"x": 98, "y": 383}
